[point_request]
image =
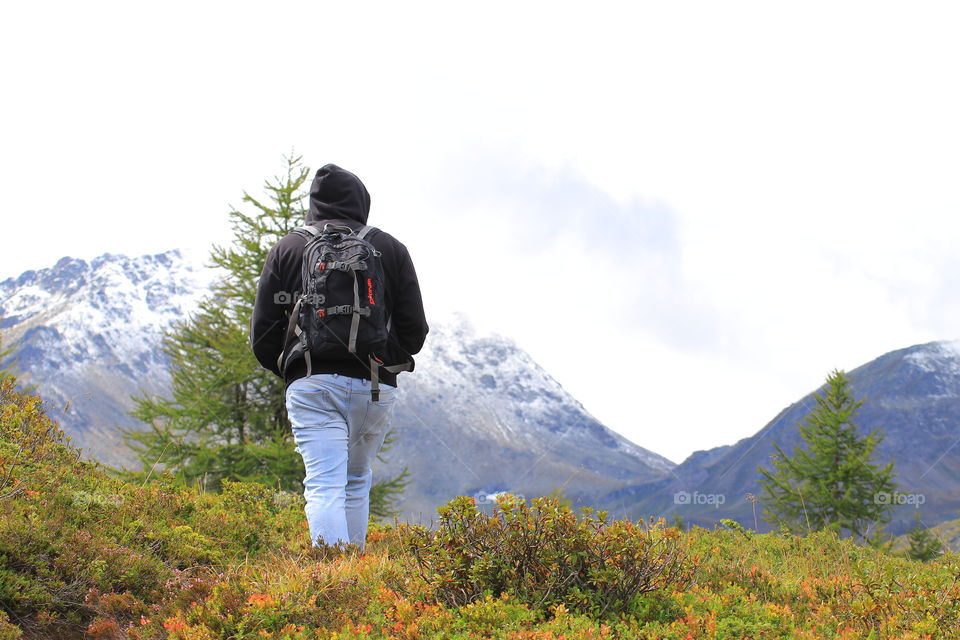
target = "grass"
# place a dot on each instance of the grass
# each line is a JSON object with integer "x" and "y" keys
{"x": 83, "y": 555}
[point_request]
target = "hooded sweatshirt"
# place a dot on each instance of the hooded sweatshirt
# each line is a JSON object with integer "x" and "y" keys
{"x": 336, "y": 195}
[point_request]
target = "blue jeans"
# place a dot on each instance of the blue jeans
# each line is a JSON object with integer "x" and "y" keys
{"x": 338, "y": 431}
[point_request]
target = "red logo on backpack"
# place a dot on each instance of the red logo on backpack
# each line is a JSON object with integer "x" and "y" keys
{"x": 370, "y": 290}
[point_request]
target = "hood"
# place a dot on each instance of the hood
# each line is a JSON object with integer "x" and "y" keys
{"x": 337, "y": 194}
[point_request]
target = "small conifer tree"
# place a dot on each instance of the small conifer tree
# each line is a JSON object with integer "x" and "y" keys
{"x": 924, "y": 545}
{"x": 831, "y": 482}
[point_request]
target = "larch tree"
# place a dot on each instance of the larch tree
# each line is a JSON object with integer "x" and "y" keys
{"x": 226, "y": 417}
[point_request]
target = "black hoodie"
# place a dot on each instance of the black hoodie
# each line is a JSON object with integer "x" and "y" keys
{"x": 339, "y": 195}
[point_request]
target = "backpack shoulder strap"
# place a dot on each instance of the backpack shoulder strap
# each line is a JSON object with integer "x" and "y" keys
{"x": 365, "y": 230}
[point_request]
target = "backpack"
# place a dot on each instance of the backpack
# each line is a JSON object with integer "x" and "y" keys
{"x": 342, "y": 309}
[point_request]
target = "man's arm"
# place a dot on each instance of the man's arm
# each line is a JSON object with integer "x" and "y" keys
{"x": 409, "y": 323}
{"x": 268, "y": 323}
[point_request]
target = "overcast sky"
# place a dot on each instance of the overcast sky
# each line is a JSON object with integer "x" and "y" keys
{"x": 688, "y": 213}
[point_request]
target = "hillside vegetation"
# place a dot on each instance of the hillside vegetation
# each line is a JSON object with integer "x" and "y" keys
{"x": 85, "y": 555}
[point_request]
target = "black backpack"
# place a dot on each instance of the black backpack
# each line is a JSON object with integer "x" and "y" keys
{"x": 341, "y": 311}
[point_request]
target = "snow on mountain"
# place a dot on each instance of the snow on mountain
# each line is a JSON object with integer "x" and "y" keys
{"x": 111, "y": 304}
{"x": 88, "y": 335}
{"x": 487, "y": 369}
{"x": 938, "y": 357}
{"x": 478, "y": 416}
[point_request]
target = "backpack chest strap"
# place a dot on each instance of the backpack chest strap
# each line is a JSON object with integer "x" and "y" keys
{"x": 343, "y": 310}
{"x": 337, "y": 265}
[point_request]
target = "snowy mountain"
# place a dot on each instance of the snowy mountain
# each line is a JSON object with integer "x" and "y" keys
{"x": 477, "y": 417}
{"x": 88, "y": 335}
{"x": 912, "y": 395}
{"x": 480, "y": 416}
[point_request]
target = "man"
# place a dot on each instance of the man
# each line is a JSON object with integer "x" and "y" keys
{"x": 337, "y": 425}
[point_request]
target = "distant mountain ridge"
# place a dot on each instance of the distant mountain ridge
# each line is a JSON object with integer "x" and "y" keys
{"x": 478, "y": 416}
{"x": 523, "y": 434}
{"x": 912, "y": 395}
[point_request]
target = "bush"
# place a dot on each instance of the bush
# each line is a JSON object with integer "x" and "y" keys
{"x": 81, "y": 551}
{"x": 29, "y": 443}
{"x": 542, "y": 555}
{"x": 7, "y": 630}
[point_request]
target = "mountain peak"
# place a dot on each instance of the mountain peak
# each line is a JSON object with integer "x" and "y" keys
{"x": 89, "y": 333}
{"x": 942, "y": 356}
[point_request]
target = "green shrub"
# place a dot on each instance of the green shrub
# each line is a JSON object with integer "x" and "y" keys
{"x": 30, "y": 443}
{"x": 7, "y": 630}
{"x": 70, "y": 532}
{"x": 541, "y": 554}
